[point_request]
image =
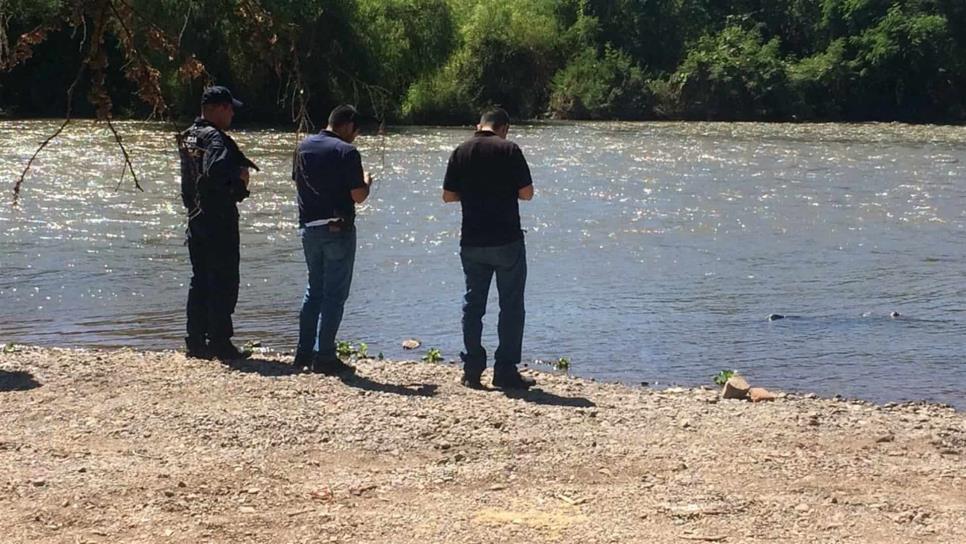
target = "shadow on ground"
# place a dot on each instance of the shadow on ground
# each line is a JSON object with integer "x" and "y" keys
{"x": 273, "y": 369}
{"x": 539, "y": 396}
{"x": 17, "y": 381}
{"x": 410, "y": 390}
{"x": 264, "y": 367}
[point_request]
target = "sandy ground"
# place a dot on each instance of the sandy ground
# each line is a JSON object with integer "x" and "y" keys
{"x": 125, "y": 446}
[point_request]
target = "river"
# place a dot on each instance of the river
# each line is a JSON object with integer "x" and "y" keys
{"x": 656, "y": 250}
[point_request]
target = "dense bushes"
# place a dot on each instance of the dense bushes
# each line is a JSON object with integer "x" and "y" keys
{"x": 731, "y": 75}
{"x": 509, "y": 51}
{"x": 600, "y": 86}
{"x": 441, "y": 61}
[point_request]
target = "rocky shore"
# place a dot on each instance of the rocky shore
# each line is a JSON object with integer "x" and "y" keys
{"x": 126, "y": 446}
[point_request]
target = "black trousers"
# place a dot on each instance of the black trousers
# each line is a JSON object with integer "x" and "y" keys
{"x": 213, "y": 247}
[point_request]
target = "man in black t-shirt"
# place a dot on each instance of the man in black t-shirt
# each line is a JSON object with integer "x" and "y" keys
{"x": 328, "y": 175}
{"x": 488, "y": 175}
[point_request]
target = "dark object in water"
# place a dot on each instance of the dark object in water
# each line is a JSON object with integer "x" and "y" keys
{"x": 775, "y": 317}
{"x": 894, "y": 315}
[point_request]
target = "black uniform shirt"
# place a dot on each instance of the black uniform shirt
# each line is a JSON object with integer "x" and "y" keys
{"x": 211, "y": 164}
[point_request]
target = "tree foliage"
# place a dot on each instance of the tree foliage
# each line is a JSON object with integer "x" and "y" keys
{"x": 432, "y": 61}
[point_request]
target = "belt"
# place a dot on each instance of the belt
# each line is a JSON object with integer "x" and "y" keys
{"x": 332, "y": 226}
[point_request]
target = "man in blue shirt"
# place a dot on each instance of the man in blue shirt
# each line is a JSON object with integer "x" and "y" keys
{"x": 488, "y": 176}
{"x": 330, "y": 180}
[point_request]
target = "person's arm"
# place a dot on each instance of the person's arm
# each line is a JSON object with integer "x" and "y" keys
{"x": 361, "y": 181}
{"x": 359, "y": 195}
{"x": 222, "y": 171}
{"x": 451, "y": 181}
{"x": 524, "y": 180}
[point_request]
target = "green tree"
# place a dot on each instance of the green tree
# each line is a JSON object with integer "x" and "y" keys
{"x": 733, "y": 75}
{"x": 407, "y": 39}
{"x": 600, "y": 86}
{"x": 510, "y": 51}
{"x": 902, "y": 65}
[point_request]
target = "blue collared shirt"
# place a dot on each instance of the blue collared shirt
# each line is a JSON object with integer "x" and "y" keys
{"x": 325, "y": 170}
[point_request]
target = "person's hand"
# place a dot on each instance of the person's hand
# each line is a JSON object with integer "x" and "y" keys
{"x": 245, "y": 176}
{"x": 367, "y": 178}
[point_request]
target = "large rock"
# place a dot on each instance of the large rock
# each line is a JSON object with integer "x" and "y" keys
{"x": 758, "y": 394}
{"x": 735, "y": 388}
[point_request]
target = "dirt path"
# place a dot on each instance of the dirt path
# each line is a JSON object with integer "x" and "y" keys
{"x": 124, "y": 446}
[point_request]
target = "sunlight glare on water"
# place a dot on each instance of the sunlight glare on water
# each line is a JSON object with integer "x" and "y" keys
{"x": 656, "y": 250}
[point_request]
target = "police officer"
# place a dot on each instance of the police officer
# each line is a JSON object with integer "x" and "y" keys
{"x": 214, "y": 179}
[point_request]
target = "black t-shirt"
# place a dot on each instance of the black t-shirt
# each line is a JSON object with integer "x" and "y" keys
{"x": 488, "y": 173}
{"x": 326, "y": 170}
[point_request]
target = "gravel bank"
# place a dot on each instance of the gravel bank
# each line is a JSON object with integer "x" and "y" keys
{"x": 125, "y": 446}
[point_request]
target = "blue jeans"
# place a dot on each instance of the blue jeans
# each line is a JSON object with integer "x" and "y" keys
{"x": 509, "y": 263}
{"x": 330, "y": 257}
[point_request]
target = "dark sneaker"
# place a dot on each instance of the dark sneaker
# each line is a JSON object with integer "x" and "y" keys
{"x": 513, "y": 380}
{"x": 303, "y": 360}
{"x": 331, "y": 367}
{"x": 226, "y": 351}
{"x": 472, "y": 381}
{"x": 196, "y": 348}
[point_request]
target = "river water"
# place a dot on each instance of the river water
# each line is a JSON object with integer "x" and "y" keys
{"x": 656, "y": 251}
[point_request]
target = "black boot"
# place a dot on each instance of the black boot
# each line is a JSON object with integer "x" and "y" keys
{"x": 303, "y": 360}
{"x": 471, "y": 380}
{"x": 331, "y": 366}
{"x": 196, "y": 348}
{"x": 224, "y": 350}
{"x": 513, "y": 380}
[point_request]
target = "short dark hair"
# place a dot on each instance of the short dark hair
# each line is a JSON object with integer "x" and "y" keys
{"x": 496, "y": 118}
{"x": 343, "y": 115}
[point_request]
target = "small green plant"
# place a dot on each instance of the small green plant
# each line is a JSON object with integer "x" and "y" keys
{"x": 348, "y": 350}
{"x": 381, "y": 356}
{"x": 10, "y": 347}
{"x": 562, "y": 363}
{"x": 433, "y": 356}
{"x": 722, "y": 377}
{"x": 344, "y": 349}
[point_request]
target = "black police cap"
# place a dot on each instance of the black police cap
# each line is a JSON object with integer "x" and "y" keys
{"x": 219, "y": 95}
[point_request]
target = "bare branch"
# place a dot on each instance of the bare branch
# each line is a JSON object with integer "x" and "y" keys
{"x": 127, "y": 158}
{"x": 45, "y": 143}
{"x": 52, "y": 137}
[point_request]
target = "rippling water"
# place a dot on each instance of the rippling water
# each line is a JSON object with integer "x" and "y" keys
{"x": 656, "y": 250}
